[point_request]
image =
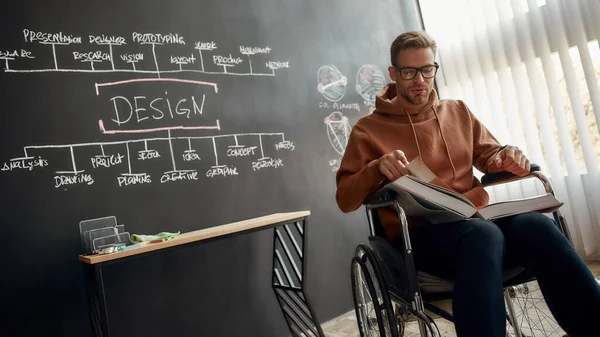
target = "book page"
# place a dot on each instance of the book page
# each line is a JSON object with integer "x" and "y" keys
{"x": 544, "y": 203}
{"x": 423, "y": 174}
{"x": 419, "y": 169}
{"x": 444, "y": 190}
{"x": 418, "y": 189}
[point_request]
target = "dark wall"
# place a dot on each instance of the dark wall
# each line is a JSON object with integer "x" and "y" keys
{"x": 221, "y": 288}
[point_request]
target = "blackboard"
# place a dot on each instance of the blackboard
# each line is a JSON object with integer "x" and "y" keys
{"x": 177, "y": 116}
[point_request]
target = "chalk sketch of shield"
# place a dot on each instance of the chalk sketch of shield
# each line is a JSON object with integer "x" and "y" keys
{"x": 331, "y": 83}
{"x": 338, "y": 131}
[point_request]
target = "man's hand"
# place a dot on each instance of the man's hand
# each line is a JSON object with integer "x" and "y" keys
{"x": 513, "y": 160}
{"x": 393, "y": 165}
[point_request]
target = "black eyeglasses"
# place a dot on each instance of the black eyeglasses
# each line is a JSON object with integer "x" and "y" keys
{"x": 408, "y": 73}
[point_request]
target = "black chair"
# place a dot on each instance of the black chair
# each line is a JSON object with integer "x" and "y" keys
{"x": 380, "y": 271}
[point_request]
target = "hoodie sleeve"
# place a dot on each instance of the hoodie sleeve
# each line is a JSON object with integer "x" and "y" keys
{"x": 358, "y": 175}
{"x": 485, "y": 145}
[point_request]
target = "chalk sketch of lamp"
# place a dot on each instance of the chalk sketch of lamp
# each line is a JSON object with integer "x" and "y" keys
{"x": 338, "y": 131}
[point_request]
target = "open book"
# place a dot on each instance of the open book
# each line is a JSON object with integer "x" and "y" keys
{"x": 420, "y": 198}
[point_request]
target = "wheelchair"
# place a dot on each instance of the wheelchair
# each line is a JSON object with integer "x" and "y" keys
{"x": 388, "y": 291}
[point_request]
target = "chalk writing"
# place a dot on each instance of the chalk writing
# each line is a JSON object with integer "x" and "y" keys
{"x": 240, "y": 151}
{"x": 48, "y": 38}
{"x": 221, "y": 60}
{"x": 277, "y": 65}
{"x": 92, "y": 56}
{"x": 132, "y": 57}
{"x": 190, "y": 155}
{"x": 267, "y": 162}
{"x": 12, "y": 54}
{"x": 104, "y": 40}
{"x": 183, "y": 59}
{"x": 346, "y": 106}
{"x": 335, "y": 164}
{"x": 133, "y": 179}
{"x": 148, "y": 154}
{"x": 224, "y": 171}
{"x": 107, "y": 161}
{"x": 285, "y": 145}
{"x": 154, "y": 108}
{"x": 147, "y": 38}
{"x": 157, "y": 42}
{"x": 179, "y": 175}
{"x": 254, "y": 50}
{"x": 339, "y": 106}
{"x": 61, "y": 180}
{"x": 206, "y": 45}
{"x": 24, "y": 164}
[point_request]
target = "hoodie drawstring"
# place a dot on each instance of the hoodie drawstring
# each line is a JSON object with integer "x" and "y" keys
{"x": 445, "y": 143}
{"x": 414, "y": 132}
{"x": 443, "y": 138}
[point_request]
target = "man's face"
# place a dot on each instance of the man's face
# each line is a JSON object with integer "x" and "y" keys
{"x": 416, "y": 90}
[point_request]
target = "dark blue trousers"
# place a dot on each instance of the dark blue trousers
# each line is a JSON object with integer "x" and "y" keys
{"x": 473, "y": 254}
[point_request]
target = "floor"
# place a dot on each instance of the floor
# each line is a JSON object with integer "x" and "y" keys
{"x": 346, "y": 326}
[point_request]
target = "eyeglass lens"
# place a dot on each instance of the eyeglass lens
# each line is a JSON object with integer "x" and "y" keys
{"x": 410, "y": 73}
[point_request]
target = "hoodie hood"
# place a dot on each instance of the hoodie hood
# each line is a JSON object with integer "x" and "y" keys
{"x": 396, "y": 108}
{"x": 389, "y": 104}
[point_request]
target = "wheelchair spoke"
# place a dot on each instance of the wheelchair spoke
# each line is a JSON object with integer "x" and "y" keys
{"x": 373, "y": 305}
{"x": 366, "y": 310}
{"x": 532, "y": 314}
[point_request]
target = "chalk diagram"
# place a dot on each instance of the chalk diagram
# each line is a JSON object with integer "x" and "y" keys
{"x": 369, "y": 82}
{"x": 338, "y": 131}
{"x": 331, "y": 83}
{"x": 263, "y": 148}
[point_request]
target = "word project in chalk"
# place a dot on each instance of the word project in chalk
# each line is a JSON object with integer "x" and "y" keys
{"x": 166, "y": 118}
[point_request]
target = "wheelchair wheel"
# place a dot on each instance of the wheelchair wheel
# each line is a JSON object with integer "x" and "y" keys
{"x": 380, "y": 293}
{"x": 532, "y": 316}
{"x": 368, "y": 311}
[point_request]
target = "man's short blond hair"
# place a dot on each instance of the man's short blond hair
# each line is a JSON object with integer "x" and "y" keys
{"x": 411, "y": 39}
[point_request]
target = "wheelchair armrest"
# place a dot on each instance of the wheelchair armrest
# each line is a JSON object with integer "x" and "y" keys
{"x": 503, "y": 177}
{"x": 379, "y": 197}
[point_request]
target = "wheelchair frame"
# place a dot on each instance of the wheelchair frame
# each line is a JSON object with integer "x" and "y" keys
{"x": 415, "y": 302}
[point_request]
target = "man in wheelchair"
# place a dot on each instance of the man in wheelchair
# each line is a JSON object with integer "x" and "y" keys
{"x": 409, "y": 121}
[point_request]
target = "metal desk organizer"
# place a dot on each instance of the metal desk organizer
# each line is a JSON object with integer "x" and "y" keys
{"x": 289, "y": 242}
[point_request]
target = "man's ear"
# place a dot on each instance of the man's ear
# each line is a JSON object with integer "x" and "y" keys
{"x": 392, "y": 72}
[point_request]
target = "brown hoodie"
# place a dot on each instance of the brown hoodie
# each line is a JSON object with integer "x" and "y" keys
{"x": 444, "y": 133}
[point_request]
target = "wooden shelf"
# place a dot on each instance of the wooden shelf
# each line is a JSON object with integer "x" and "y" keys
{"x": 199, "y": 235}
